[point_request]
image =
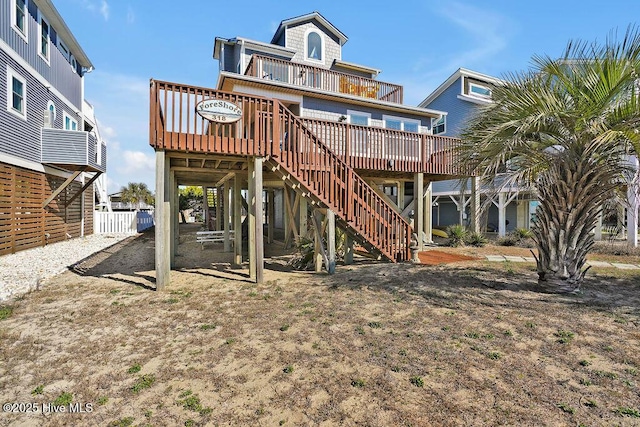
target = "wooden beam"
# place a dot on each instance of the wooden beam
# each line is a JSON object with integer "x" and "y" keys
{"x": 225, "y": 216}
{"x": 226, "y": 178}
{"x": 162, "y": 231}
{"x": 331, "y": 241}
{"x": 84, "y": 187}
{"x": 62, "y": 187}
{"x": 319, "y": 252}
{"x": 237, "y": 220}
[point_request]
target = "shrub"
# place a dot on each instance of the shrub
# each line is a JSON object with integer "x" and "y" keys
{"x": 476, "y": 239}
{"x": 457, "y": 235}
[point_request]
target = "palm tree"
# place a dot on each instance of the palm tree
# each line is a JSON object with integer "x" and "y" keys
{"x": 136, "y": 193}
{"x": 566, "y": 128}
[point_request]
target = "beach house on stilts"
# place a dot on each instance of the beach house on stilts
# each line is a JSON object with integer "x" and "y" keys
{"x": 310, "y": 137}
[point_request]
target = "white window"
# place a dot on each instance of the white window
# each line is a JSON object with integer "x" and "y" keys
{"x": 401, "y": 123}
{"x": 314, "y": 46}
{"x": 16, "y": 94}
{"x": 479, "y": 90}
{"x": 43, "y": 40}
{"x": 19, "y": 17}
{"x": 359, "y": 118}
{"x": 439, "y": 126}
{"x": 69, "y": 122}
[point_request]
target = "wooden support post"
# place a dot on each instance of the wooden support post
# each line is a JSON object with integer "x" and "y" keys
{"x": 475, "y": 205}
{"x": 287, "y": 218}
{"x": 256, "y": 247}
{"x": 237, "y": 219}
{"x": 271, "y": 214}
{"x": 205, "y": 205}
{"x": 428, "y": 211}
{"x": 633, "y": 196}
{"x": 218, "y": 208}
{"x": 348, "y": 249}
{"x": 319, "y": 254}
{"x": 331, "y": 241}
{"x": 162, "y": 230}
{"x": 303, "y": 217}
{"x": 401, "y": 201}
{"x": 418, "y": 217}
{"x": 226, "y": 214}
{"x": 173, "y": 217}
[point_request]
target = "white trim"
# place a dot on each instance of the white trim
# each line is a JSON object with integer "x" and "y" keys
{"x": 475, "y": 100}
{"x": 34, "y": 166}
{"x": 478, "y": 95}
{"x": 358, "y": 113}
{"x": 402, "y": 121}
{"x": 72, "y": 120}
{"x": 42, "y": 19}
{"x": 11, "y": 74}
{"x": 23, "y": 34}
{"x": 34, "y": 73}
{"x": 433, "y": 125}
{"x": 306, "y": 46}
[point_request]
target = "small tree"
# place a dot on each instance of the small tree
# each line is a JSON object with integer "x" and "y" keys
{"x": 137, "y": 193}
{"x": 566, "y": 129}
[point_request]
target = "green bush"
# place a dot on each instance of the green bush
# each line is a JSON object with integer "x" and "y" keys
{"x": 476, "y": 239}
{"x": 457, "y": 235}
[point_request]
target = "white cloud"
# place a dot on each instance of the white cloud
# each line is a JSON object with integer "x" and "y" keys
{"x": 480, "y": 42}
{"x": 104, "y": 10}
{"x": 131, "y": 16}
{"x": 136, "y": 161}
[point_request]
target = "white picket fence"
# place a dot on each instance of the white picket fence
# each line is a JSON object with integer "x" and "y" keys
{"x": 121, "y": 222}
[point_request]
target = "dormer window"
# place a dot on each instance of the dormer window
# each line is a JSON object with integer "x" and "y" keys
{"x": 314, "y": 46}
{"x": 479, "y": 90}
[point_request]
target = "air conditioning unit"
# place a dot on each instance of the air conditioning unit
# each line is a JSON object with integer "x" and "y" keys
{"x": 48, "y": 119}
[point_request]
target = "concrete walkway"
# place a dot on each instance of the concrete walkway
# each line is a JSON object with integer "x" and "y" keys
{"x": 501, "y": 258}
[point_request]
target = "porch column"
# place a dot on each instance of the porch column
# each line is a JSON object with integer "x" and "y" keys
{"x": 348, "y": 249}
{"x": 331, "y": 241}
{"x": 475, "y": 205}
{"x": 237, "y": 219}
{"x": 598, "y": 230}
{"x": 226, "y": 214}
{"x": 205, "y": 206}
{"x": 303, "y": 217}
{"x": 418, "y": 217}
{"x": 163, "y": 226}
{"x": 502, "y": 215}
{"x": 256, "y": 221}
{"x": 428, "y": 211}
{"x": 271, "y": 214}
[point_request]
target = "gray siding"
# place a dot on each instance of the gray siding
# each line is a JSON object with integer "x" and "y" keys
{"x": 64, "y": 147}
{"x": 295, "y": 40}
{"x": 18, "y": 137}
{"x": 230, "y": 63}
{"x": 58, "y": 72}
{"x": 459, "y": 111}
{"x": 332, "y": 108}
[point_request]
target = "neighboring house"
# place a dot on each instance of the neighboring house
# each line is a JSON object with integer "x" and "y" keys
{"x": 324, "y": 132}
{"x": 50, "y": 151}
{"x": 460, "y": 96}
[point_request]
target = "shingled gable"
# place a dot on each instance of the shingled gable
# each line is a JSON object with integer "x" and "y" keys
{"x": 340, "y": 36}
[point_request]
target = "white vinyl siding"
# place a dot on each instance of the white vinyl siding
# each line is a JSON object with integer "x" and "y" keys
{"x": 16, "y": 94}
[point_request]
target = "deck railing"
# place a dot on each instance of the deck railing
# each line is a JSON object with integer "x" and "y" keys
{"x": 321, "y": 78}
{"x": 374, "y": 148}
{"x": 267, "y": 128}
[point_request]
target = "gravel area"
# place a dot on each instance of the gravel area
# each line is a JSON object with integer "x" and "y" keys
{"x": 28, "y": 270}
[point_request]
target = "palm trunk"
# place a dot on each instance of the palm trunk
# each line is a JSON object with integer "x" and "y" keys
{"x": 570, "y": 202}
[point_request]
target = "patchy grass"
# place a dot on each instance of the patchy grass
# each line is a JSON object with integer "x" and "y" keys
{"x": 375, "y": 344}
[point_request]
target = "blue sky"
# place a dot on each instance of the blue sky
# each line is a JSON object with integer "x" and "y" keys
{"x": 418, "y": 44}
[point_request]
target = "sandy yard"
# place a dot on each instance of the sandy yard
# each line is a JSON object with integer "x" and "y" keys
{"x": 376, "y": 344}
